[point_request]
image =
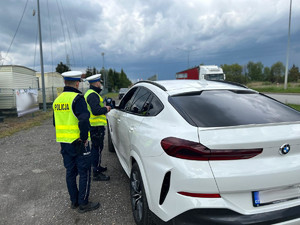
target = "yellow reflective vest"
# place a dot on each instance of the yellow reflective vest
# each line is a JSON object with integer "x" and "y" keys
{"x": 66, "y": 123}
{"x": 95, "y": 120}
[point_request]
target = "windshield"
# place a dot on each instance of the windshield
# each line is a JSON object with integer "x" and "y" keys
{"x": 219, "y": 108}
{"x": 219, "y": 76}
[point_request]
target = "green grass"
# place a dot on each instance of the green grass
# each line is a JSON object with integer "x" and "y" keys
{"x": 12, "y": 125}
{"x": 111, "y": 95}
{"x": 297, "y": 107}
{"x": 274, "y": 88}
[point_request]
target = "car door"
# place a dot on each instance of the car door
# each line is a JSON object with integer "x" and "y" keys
{"x": 131, "y": 120}
{"x": 117, "y": 124}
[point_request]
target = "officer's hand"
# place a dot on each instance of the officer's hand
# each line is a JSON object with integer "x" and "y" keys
{"x": 108, "y": 108}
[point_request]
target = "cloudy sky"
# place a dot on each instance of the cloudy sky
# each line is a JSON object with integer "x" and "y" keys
{"x": 148, "y": 37}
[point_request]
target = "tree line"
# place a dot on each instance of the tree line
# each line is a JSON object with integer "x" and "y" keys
{"x": 257, "y": 72}
{"x": 111, "y": 79}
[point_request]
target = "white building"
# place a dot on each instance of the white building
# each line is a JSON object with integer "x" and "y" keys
{"x": 54, "y": 82}
{"x": 14, "y": 77}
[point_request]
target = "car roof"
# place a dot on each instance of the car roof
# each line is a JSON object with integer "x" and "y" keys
{"x": 173, "y": 87}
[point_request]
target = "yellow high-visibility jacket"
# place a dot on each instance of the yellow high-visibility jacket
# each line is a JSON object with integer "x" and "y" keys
{"x": 66, "y": 123}
{"x": 99, "y": 120}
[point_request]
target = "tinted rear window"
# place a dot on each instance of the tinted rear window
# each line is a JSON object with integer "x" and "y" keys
{"x": 229, "y": 108}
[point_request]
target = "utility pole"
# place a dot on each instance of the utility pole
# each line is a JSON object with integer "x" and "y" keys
{"x": 102, "y": 60}
{"x": 188, "y": 54}
{"x": 41, "y": 58}
{"x": 104, "y": 77}
{"x": 288, "y": 50}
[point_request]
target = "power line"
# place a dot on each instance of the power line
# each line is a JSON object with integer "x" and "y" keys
{"x": 50, "y": 36}
{"x": 68, "y": 31}
{"x": 16, "y": 31}
{"x": 79, "y": 43}
{"x": 61, "y": 21}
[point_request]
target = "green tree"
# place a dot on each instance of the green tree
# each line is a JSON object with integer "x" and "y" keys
{"x": 89, "y": 72}
{"x": 294, "y": 74}
{"x": 267, "y": 74}
{"x": 277, "y": 72}
{"x": 234, "y": 73}
{"x": 110, "y": 80}
{"x": 255, "y": 71}
{"x": 124, "y": 81}
{"x": 94, "y": 71}
{"x": 62, "y": 68}
{"x": 116, "y": 80}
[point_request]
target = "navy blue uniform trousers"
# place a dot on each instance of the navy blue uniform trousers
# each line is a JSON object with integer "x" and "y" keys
{"x": 77, "y": 164}
{"x": 97, "y": 138}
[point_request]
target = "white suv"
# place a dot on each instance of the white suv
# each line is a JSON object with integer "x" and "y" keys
{"x": 207, "y": 152}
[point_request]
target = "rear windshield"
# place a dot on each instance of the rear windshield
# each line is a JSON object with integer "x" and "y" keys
{"x": 218, "y": 108}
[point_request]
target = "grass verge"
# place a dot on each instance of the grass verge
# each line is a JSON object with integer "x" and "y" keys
{"x": 274, "y": 88}
{"x": 111, "y": 95}
{"x": 297, "y": 107}
{"x": 12, "y": 125}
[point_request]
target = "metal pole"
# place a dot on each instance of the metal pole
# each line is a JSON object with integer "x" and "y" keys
{"x": 288, "y": 50}
{"x": 102, "y": 60}
{"x": 103, "y": 71}
{"x": 41, "y": 58}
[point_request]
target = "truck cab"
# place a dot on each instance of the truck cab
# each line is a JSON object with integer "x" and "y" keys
{"x": 202, "y": 72}
{"x": 211, "y": 73}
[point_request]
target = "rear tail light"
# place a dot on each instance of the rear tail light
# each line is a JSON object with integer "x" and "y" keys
{"x": 185, "y": 149}
{"x": 199, "y": 195}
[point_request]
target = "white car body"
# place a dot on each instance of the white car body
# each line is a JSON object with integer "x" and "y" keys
{"x": 138, "y": 139}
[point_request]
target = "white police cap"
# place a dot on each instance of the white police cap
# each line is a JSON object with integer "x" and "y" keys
{"x": 72, "y": 75}
{"x": 94, "y": 78}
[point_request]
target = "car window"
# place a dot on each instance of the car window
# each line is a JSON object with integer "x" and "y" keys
{"x": 127, "y": 99}
{"x": 218, "y": 108}
{"x": 153, "y": 107}
{"x": 139, "y": 101}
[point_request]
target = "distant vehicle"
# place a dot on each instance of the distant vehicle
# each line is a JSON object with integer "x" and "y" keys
{"x": 122, "y": 92}
{"x": 200, "y": 72}
{"x": 207, "y": 152}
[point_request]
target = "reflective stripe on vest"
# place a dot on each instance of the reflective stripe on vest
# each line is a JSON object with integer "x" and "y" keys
{"x": 66, "y": 123}
{"x": 95, "y": 120}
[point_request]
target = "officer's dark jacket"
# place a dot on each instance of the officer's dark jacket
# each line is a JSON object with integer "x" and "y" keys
{"x": 80, "y": 110}
{"x": 94, "y": 101}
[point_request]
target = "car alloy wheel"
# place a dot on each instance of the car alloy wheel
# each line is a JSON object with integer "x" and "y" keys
{"x": 139, "y": 203}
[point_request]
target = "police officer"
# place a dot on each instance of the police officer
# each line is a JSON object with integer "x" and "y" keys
{"x": 98, "y": 122}
{"x": 71, "y": 121}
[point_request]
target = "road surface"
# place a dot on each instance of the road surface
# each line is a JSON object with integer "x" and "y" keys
{"x": 33, "y": 188}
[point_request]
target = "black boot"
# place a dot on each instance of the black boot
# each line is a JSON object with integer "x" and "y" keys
{"x": 88, "y": 207}
{"x": 74, "y": 205}
{"x": 102, "y": 169}
{"x": 100, "y": 177}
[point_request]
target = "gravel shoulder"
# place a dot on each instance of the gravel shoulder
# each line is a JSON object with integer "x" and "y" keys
{"x": 33, "y": 188}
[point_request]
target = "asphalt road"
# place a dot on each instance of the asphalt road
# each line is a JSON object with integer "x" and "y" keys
{"x": 287, "y": 98}
{"x": 33, "y": 188}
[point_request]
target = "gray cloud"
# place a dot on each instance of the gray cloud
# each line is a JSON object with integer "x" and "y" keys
{"x": 147, "y": 37}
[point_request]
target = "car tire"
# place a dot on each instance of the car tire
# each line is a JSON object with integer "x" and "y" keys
{"x": 111, "y": 147}
{"x": 140, "y": 209}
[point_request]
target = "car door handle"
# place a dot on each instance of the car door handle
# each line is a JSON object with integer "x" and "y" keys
{"x": 131, "y": 129}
